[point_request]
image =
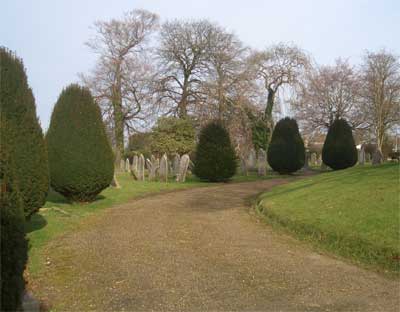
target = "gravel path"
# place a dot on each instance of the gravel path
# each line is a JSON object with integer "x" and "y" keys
{"x": 201, "y": 250}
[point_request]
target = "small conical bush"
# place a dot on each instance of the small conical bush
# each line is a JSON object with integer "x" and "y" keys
{"x": 339, "y": 150}
{"x": 286, "y": 153}
{"x": 215, "y": 156}
{"x": 14, "y": 246}
{"x": 80, "y": 155}
{"x": 17, "y": 105}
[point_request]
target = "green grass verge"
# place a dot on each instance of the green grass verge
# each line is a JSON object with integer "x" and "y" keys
{"x": 58, "y": 216}
{"x": 353, "y": 213}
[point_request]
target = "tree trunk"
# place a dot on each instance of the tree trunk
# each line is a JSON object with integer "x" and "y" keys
{"x": 182, "y": 106}
{"x": 182, "y": 109}
{"x": 380, "y": 134}
{"x": 268, "y": 115}
{"x": 270, "y": 104}
{"x": 118, "y": 132}
{"x": 221, "y": 104}
{"x": 118, "y": 120}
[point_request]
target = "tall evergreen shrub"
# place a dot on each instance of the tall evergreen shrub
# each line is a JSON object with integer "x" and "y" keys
{"x": 339, "y": 150}
{"x": 28, "y": 148}
{"x": 14, "y": 247}
{"x": 80, "y": 156}
{"x": 286, "y": 153}
{"x": 215, "y": 156}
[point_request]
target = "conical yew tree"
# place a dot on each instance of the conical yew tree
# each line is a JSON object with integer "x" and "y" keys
{"x": 286, "y": 153}
{"x": 80, "y": 156}
{"x": 339, "y": 150}
{"x": 28, "y": 148}
{"x": 14, "y": 246}
{"x": 215, "y": 156}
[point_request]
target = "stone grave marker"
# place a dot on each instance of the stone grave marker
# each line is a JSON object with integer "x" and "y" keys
{"x": 163, "y": 171}
{"x": 262, "y": 162}
{"x": 183, "y": 167}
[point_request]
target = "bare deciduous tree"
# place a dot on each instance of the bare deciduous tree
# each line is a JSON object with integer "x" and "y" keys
{"x": 278, "y": 66}
{"x": 328, "y": 93}
{"x": 226, "y": 70}
{"x": 183, "y": 54}
{"x": 120, "y": 77}
{"x": 381, "y": 93}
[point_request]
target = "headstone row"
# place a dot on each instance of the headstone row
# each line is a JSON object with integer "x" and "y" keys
{"x": 254, "y": 162}
{"x": 157, "y": 169}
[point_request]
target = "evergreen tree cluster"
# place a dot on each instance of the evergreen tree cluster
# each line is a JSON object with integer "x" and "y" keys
{"x": 19, "y": 178}
{"x": 78, "y": 155}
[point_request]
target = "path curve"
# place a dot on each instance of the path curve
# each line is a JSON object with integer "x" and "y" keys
{"x": 198, "y": 250}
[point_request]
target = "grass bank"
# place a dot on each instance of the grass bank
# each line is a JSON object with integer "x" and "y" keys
{"x": 353, "y": 213}
{"x": 59, "y": 216}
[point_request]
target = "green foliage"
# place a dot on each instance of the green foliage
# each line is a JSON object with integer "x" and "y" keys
{"x": 28, "y": 146}
{"x": 173, "y": 135}
{"x": 139, "y": 143}
{"x": 80, "y": 156}
{"x": 260, "y": 134}
{"x": 286, "y": 151}
{"x": 215, "y": 156}
{"x": 259, "y": 130}
{"x": 14, "y": 247}
{"x": 339, "y": 151}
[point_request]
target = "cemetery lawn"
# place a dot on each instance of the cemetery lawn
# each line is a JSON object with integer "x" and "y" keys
{"x": 59, "y": 217}
{"x": 353, "y": 213}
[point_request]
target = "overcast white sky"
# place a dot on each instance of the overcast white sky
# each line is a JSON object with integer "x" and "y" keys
{"x": 49, "y": 35}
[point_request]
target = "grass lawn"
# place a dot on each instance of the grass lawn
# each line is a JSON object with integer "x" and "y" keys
{"x": 353, "y": 213}
{"x": 59, "y": 217}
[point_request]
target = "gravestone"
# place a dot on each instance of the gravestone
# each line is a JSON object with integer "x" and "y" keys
{"x": 141, "y": 168}
{"x": 306, "y": 160}
{"x": 319, "y": 159}
{"x": 122, "y": 165}
{"x": 251, "y": 159}
{"x": 114, "y": 182}
{"x": 262, "y": 162}
{"x": 163, "y": 172}
{"x": 127, "y": 165}
{"x": 323, "y": 166}
{"x": 153, "y": 159}
{"x": 313, "y": 159}
{"x": 175, "y": 165}
{"x": 183, "y": 166}
{"x": 152, "y": 167}
{"x": 243, "y": 166}
{"x": 361, "y": 156}
{"x": 135, "y": 164}
{"x": 377, "y": 157}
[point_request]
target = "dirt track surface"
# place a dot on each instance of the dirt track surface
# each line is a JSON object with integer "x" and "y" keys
{"x": 201, "y": 250}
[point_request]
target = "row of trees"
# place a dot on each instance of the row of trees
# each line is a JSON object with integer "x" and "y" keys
{"x": 75, "y": 157}
{"x": 216, "y": 160}
{"x": 200, "y": 70}
{"x": 367, "y": 96}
